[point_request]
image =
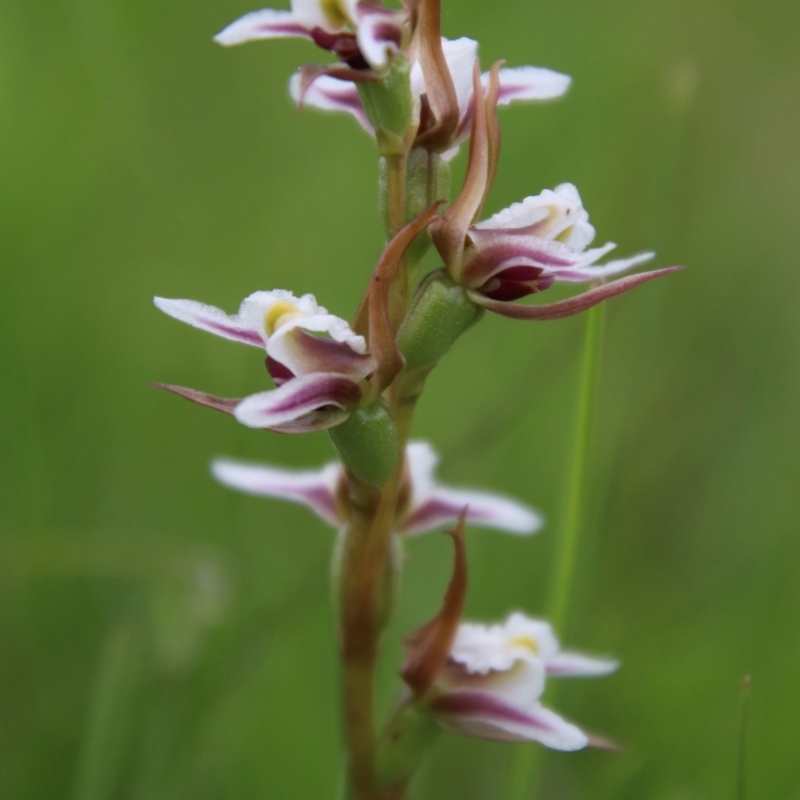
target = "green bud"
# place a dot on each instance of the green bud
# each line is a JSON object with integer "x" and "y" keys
{"x": 389, "y": 105}
{"x": 440, "y": 312}
{"x": 366, "y": 443}
{"x": 404, "y": 743}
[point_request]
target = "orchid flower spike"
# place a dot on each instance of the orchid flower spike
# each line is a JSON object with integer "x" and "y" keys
{"x": 328, "y": 93}
{"x": 523, "y": 249}
{"x": 362, "y": 34}
{"x": 494, "y": 678}
{"x": 320, "y": 366}
{"x": 423, "y": 504}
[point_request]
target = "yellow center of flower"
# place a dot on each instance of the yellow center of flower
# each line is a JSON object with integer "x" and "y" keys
{"x": 336, "y": 12}
{"x": 279, "y": 314}
{"x": 525, "y": 643}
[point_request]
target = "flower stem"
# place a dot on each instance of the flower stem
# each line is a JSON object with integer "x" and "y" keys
{"x": 527, "y": 758}
{"x": 395, "y": 206}
{"x": 574, "y": 499}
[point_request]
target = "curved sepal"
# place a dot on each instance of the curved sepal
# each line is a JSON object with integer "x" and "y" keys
{"x": 572, "y": 305}
{"x": 429, "y": 646}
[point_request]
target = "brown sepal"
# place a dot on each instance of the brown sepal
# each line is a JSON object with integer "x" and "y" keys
{"x": 492, "y": 130}
{"x": 572, "y": 305}
{"x": 428, "y": 648}
{"x": 372, "y": 317}
{"x": 223, "y": 404}
{"x": 427, "y": 48}
{"x": 449, "y": 232}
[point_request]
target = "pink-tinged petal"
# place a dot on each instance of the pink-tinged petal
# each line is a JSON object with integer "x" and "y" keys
{"x": 581, "y": 274}
{"x": 319, "y": 401}
{"x": 329, "y": 94}
{"x": 265, "y": 24}
{"x": 530, "y": 83}
{"x": 577, "y": 665}
{"x": 314, "y": 489}
{"x": 572, "y": 305}
{"x": 483, "y": 715}
{"x": 379, "y": 32}
{"x": 305, "y": 354}
{"x": 485, "y": 509}
{"x": 224, "y": 404}
{"x": 211, "y": 319}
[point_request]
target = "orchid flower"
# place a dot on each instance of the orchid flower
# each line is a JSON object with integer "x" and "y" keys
{"x": 361, "y": 34}
{"x": 521, "y": 83}
{"x": 423, "y": 504}
{"x": 527, "y": 247}
{"x": 494, "y": 678}
{"x": 319, "y": 379}
{"x": 487, "y": 680}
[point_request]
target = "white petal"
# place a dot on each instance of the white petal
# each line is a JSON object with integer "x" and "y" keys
{"x": 483, "y": 649}
{"x": 485, "y": 509}
{"x": 265, "y": 24}
{"x": 555, "y": 215}
{"x": 482, "y": 715}
{"x": 378, "y": 32}
{"x": 529, "y": 83}
{"x": 312, "y": 488}
{"x": 546, "y": 727}
{"x": 432, "y": 506}
{"x": 298, "y": 399}
{"x": 568, "y": 665}
{"x": 330, "y": 94}
{"x": 213, "y": 320}
{"x": 586, "y": 272}
{"x": 422, "y": 461}
{"x": 460, "y": 55}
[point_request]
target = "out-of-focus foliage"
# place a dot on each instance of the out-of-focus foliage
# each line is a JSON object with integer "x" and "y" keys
{"x": 164, "y": 638}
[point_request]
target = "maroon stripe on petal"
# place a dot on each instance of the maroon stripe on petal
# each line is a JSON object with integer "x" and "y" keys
{"x": 335, "y": 390}
{"x": 242, "y": 334}
{"x": 480, "y": 704}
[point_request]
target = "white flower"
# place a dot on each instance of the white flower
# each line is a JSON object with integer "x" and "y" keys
{"x": 317, "y": 361}
{"x": 520, "y": 83}
{"x": 424, "y": 504}
{"x": 361, "y": 34}
{"x": 524, "y": 248}
{"x": 495, "y": 676}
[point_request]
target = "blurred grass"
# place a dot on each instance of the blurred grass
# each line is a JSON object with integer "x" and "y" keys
{"x": 164, "y": 638}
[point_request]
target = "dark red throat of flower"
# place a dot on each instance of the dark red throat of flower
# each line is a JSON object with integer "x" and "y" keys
{"x": 516, "y": 282}
{"x": 344, "y": 45}
{"x": 278, "y": 372}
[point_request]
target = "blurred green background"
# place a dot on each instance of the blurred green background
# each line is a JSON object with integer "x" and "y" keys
{"x": 162, "y": 637}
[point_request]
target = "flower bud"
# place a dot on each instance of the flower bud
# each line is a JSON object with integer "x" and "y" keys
{"x": 366, "y": 443}
{"x": 440, "y": 312}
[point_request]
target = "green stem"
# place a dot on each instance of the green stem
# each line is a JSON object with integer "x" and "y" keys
{"x": 741, "y": 755}
{"x": 396, "y": 206}
{"x": 527, "y": 758}
{"x": 574, "y": 499}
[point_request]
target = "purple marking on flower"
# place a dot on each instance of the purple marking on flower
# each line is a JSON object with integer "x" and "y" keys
{"x": 478, "y": 704}
{"x": 386, "y": 32}
{"x": 242, "y": 334}
{"x": 572, "y": 305}
{"x": 516, "y": 282}
{"x": 283, "y": 29}
{"x": 334, "y": 390}
{"x": 278, "y": 372}
{"x": 344, "y": 45}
